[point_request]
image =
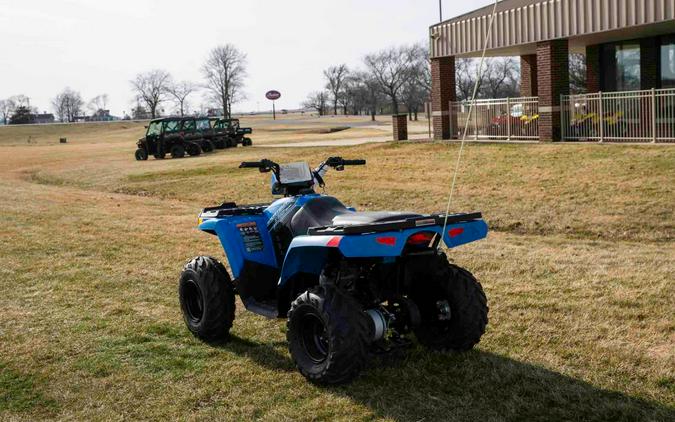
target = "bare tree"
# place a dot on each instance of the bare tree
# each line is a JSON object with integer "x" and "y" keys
{"x": 68, "y": 105}
{"x": 151, "y": 89}
{"x": 7, "y": 108}
{"x": 465, "y": 78}
{"x": 335, "y": 80}
{"x": 317, "y": 101}
{"x": 98, "y": 103}
{"x": 500, "y": 78}
{"x": 225, "y": 71}
{"x": 577, "y": 73}
{"x": 391, "y": 68}
{"x": 369, "y": 92}
{"x": 180, "y": 92}
{"x": 417, "y": 87}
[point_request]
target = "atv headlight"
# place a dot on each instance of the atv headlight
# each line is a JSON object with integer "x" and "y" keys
{"x": 207, "y": 216}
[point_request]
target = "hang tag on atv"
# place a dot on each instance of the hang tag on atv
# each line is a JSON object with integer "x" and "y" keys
{"x": 295, "y": 173}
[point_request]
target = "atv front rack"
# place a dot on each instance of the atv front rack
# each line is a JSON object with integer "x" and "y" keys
{"x": 408, "y": 223}
{"x": 229, "y": 209}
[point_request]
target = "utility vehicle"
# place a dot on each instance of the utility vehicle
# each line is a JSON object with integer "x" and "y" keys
{"x": 173, "y": 135}
{"x": 233, "y": 129}
{"x": 351, "y": 284}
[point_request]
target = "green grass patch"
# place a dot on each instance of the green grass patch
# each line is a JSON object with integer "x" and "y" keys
{"x": 20, "y": 392}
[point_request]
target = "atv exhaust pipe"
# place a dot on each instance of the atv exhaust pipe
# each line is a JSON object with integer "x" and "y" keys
{"x": 380, "y": 323}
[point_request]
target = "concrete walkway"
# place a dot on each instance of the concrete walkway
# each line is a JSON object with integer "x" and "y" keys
{"x": 341, "y": 142}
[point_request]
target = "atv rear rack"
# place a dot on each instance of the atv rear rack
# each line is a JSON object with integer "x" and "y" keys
{"x": 408, "y": 223}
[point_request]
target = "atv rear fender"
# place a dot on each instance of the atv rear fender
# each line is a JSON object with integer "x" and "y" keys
{"x": 308, "y": 254}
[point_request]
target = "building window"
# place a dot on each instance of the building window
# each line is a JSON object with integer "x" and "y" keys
{"x": 668, "y": 62}
{"x": 621, "y": 64}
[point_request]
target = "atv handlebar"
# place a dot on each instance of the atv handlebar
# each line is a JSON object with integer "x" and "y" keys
{"x": 264, "y": 166}
{"x": 354, "y": 162}
{"x": 251, "y": 165}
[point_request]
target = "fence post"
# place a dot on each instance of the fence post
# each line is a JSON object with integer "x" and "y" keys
{"x": 452, "y": 127}
{"x": 475, "y": 120}
{"x": 602, "y": 118}
{"x": 508, "y": 118}
{"x": 654, "y": 126}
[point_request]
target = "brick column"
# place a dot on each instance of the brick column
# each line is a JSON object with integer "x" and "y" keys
{"x": 443, "y": 91}
{"x": 593, "y": 70}
{"x": 650, "y": 52}
{"x": 554, "y": 81}
{"x": 528, "y": 76}
{"x": 400, "y": 127}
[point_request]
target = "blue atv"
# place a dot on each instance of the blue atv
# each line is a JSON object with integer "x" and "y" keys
{"x": 351, "y": 284}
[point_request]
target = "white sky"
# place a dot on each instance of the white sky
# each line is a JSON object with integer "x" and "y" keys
{"x": 97, "y": 46}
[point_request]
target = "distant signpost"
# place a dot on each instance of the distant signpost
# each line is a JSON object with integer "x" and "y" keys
{"x": 273, "y": 96}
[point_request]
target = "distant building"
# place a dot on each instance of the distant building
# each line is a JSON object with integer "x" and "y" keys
{"x": 102, "y": 116}
{"x": 630, "y": 67}
{"x": 44, "y": 118}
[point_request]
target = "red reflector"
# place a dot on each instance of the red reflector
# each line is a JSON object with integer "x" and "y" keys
{"x": 334, "y": 242}
{"x": 422, "y": 238}
{"x": 389, "y": 241}
{"x": 456, "y": 231}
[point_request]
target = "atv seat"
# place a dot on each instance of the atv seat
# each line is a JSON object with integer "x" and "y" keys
{"x": 362, "y": 218}
{"x": 327, "y": 211}
{"x": 317, "y": 212}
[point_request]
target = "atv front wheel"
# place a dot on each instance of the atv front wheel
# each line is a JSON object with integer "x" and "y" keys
{"x": 328, "y": 335}
{"x": 452, "y": 304}
{"x": 177, "y": 151}
{"x": 206, "y": 295}
{"x": 247, "y": 142}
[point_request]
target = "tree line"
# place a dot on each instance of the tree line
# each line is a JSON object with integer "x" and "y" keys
{"x": 224, "y": 73}
{"x": 388, "y": 80}
{"x": 399, "y": 79}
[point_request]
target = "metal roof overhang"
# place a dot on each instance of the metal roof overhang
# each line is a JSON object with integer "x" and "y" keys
{"x": 521, "y": 24}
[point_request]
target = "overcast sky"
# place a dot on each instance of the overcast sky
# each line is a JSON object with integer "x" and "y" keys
{"x": 97, "y": 46}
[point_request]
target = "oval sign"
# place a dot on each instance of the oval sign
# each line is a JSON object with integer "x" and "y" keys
{"x": 273, "y": 95}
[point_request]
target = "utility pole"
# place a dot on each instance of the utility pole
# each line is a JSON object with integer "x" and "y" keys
{"x": 440, "y": 9}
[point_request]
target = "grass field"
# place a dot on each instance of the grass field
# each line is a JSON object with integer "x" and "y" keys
{"x": 579, "y": 271}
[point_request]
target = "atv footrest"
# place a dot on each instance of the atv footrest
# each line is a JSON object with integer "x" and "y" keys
{"x": 409, "y": 223}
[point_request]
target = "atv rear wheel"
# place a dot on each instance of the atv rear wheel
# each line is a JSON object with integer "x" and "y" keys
{"x": 141, "y": 154}
{"x": 177, "y": 151}
{"x": 328, "y": 335}
{"x": 452, "y": 304}
{"x": 206, "y": 295}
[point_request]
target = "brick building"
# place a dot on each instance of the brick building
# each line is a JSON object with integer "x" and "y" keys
{"x": 629, "y": 46}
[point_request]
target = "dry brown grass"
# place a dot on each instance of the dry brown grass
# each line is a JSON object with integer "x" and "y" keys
{"x": 579, "y": 273}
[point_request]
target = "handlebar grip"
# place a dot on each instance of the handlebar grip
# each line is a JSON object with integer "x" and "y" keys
{"x": 354, "y": 162}
{"x": 251, "y": 165}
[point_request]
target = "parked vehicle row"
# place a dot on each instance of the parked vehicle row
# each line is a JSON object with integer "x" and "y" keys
{"x": 180, "y": 136}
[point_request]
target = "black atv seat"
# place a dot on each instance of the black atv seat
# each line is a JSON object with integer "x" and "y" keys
{"x": 317, "y": 212}
{"x": 328, "y": 211}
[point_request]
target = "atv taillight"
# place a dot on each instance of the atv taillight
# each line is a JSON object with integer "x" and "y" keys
{"x": 421, "y": 239}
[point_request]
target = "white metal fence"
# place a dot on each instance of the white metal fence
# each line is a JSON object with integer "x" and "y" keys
{"x": 497, "y": 119}
{"x": 633, "y": 116}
